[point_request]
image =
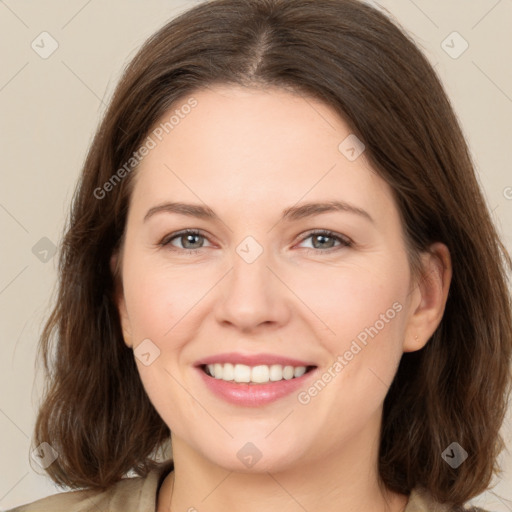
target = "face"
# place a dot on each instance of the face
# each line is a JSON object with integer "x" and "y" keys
{"x": 325, "y": 289}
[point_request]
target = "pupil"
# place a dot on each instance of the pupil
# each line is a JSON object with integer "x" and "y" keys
{"x": 324, "y": 237}
{"x": 190, "y": 237}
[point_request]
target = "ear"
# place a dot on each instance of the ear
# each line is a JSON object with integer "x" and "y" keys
{"x": 429, "y": 297}
{"x": 115, "y": 269}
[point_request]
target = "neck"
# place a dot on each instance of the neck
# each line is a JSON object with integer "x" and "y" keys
{"x": 345, "y": 481}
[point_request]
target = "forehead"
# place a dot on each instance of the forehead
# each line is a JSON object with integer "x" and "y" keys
{"x": 253, "y": 149}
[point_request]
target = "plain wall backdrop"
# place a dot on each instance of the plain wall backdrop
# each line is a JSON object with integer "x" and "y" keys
{"x": 59, "y": 64}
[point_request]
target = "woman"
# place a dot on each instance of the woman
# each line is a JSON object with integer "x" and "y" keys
{"x": 370, "y": 374}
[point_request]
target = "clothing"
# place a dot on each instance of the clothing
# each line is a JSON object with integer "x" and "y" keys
{"x": 139, "y": 494}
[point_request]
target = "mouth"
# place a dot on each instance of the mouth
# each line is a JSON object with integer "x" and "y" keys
{"x": 256, "y": 384}
{"x": 254, "y": 375}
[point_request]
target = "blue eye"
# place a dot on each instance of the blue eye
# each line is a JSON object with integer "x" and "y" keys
{"x": 187, "y": 236}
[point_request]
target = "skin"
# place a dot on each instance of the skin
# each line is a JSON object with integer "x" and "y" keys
{"x": 248, "y": 154}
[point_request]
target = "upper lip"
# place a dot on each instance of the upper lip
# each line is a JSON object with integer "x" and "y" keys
{"x": 252, "y": 360}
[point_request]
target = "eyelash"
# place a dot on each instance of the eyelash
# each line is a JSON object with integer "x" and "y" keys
{"x": 344, "y": 242}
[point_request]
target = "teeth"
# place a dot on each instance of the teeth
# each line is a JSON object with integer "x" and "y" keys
{"x": 256, "y": 374}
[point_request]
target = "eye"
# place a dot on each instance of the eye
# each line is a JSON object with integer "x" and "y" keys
{"x": 189, "y": 237}
{"x": 191, "y": 241}
{"x": 320, "y": 236}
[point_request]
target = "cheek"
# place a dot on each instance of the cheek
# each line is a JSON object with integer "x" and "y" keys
{"x": 366, "y": 314}
{"x": 355, "y": 302}
{"x": 158, "y": 296}
{"x": 157, "y": 299}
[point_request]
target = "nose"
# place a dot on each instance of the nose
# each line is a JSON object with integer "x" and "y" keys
{"x": 253, "y": 295}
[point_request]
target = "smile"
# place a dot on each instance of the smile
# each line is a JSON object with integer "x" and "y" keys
{"x": 260, "y": 374}
{"x": 256, "y": 386}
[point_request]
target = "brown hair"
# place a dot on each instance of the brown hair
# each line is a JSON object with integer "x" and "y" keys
{"x": 96, "y": 413}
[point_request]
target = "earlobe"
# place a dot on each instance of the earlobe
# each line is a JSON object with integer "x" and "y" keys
{"x": 432, "y": 289}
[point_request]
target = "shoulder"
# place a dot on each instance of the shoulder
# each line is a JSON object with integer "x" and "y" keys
{"x": 136, "y": 494}
{"x": 420, "y": 500}
{"x": 74, "y": 501}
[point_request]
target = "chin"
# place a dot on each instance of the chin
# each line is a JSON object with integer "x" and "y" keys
{"x": 258, "y": 456}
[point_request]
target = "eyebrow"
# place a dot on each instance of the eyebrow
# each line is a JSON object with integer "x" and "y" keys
{"x": 290, "y": 214}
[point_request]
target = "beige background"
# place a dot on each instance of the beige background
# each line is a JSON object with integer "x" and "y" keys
{"x": 50, "y": 108}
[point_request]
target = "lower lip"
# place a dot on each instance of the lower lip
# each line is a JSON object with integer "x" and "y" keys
{"x": 253, "y": 395}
